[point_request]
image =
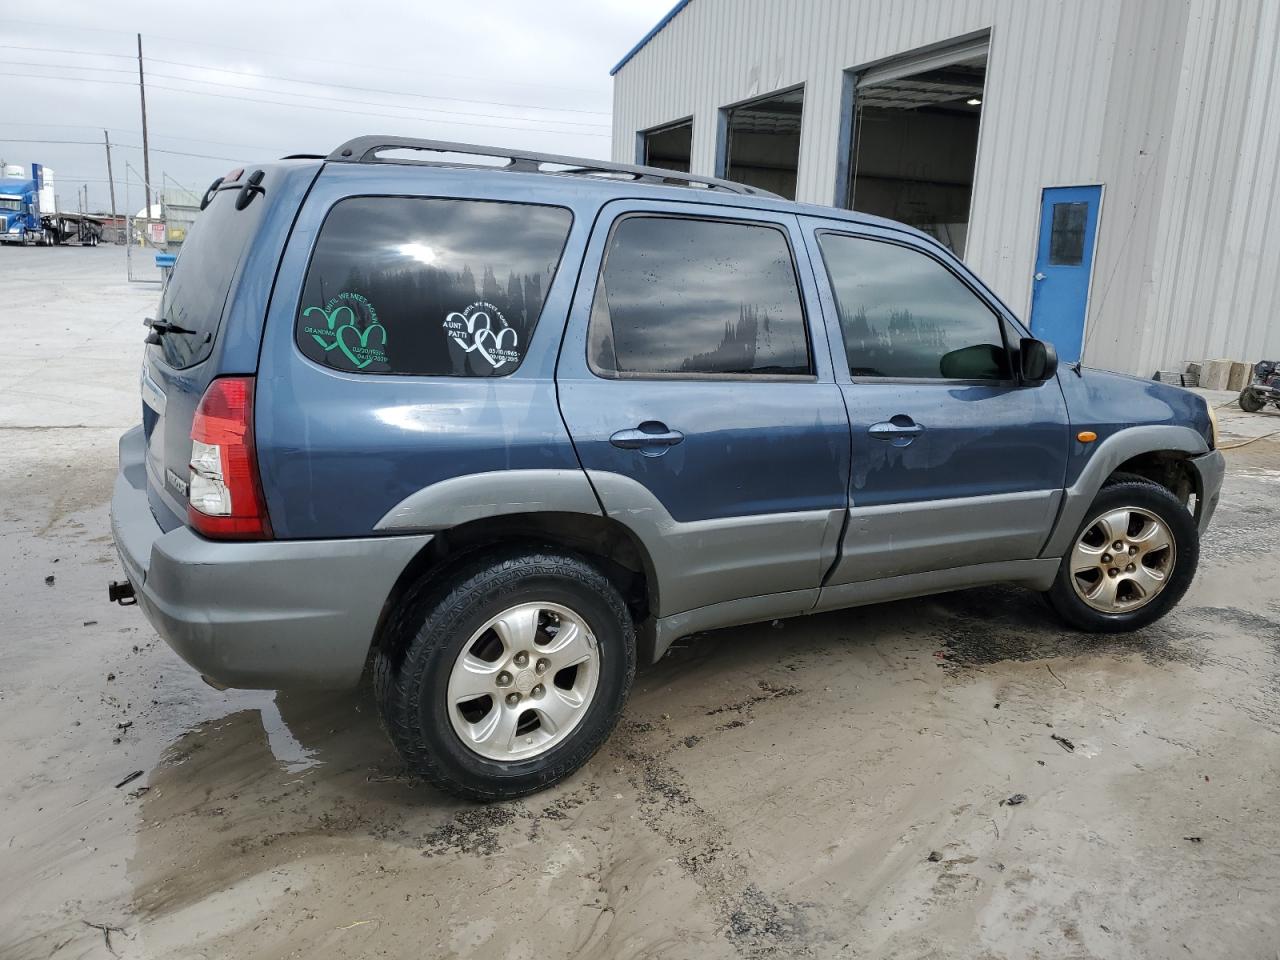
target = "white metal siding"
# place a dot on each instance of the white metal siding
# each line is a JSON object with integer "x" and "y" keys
{"x": 1170, "y": 104}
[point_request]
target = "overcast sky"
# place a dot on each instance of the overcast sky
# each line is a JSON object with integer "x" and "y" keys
{"x": 508, "y": 72}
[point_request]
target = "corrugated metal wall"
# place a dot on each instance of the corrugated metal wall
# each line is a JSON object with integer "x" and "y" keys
{"x": 1171, "y": 104}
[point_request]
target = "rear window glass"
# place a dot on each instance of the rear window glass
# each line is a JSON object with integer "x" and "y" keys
{"x": 197, "y": 291}
{"x": 429, "y": 287}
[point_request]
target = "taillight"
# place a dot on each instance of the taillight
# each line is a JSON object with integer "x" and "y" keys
{"x": 226, "y": 501}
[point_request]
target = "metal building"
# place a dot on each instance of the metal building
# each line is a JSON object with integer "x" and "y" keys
{"x": 1108, "y": 166}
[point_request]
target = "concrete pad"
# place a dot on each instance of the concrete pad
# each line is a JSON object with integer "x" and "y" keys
{"x": 822, "y": 787}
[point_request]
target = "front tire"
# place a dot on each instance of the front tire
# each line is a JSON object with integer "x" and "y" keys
{"x": 507, "y": 677}
{"x": 1130, "y": 562}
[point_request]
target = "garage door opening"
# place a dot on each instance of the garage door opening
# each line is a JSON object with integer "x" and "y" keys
{"x": 762, "y": 142}
{"x": 668, "y": 147}
{"x": 915, "y": 141}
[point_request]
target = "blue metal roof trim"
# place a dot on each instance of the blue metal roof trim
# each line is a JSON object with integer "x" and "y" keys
{"x": 649, "y": 36}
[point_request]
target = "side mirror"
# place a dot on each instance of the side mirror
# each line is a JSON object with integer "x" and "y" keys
{"x": 1038, "y": 359}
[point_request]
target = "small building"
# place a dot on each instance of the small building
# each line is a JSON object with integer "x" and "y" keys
{"x": 1108, "y": 166}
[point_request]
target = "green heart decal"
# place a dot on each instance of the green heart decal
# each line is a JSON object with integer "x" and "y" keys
{"x": 363, "y": 339}
{"x": 331, "y": 321}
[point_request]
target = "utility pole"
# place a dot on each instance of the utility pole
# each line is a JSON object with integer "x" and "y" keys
{"x": 146, "y": 152}
{"x": 110, "y": 180}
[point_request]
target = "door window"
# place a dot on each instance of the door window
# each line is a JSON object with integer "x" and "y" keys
{"x": 906, "y": 316}
{"x": 1066, "y": 235}
{"x": 680, "y": 296}
{"x": 431, "y": 287}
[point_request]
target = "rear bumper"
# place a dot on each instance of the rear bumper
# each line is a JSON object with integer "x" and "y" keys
{"x": 269, "y": 615}
{"x": 1209, "y": 469}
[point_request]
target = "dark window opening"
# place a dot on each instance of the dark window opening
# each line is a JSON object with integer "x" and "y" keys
{"x": 670, "y": 147}
{"x": 430, "y": 287}
{"x": 763, "y": 148}
{"x": 679, "y": 296}
{"x": 914, "y": 145}
{"x": 1066, "y": 235}
{"x": 906, "y": 316}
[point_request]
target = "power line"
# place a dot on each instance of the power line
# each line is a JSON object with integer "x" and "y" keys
{"x": 308, "y": 106}
{"x": 134, "y": 146}
{"x": 154, "y": 136}
{"x": 79, "y": 53}
{"x": 276, "y": 55}
{"x": 397, "y": 93}
{"x": 314, "y": 96}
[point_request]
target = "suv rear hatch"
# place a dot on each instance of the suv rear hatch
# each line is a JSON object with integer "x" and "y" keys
{"x": 217, "y": 297}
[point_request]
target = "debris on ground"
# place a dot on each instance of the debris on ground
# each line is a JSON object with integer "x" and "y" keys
{"x": 129, "y": 779}
{"x": 934, "y": 857}
{"x": 107, "y": 931}
{"x": 1013, "y": 801}
{"x": 90, "y": 623}
{"x": 1194, "y": 839}
{"x": 1064, "y": 743}
{"x": 48, "y": 581}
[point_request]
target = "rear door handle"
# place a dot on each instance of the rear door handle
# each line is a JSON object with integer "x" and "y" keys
{"x": 651, "y": 438}
{"x": 899, "y": 430}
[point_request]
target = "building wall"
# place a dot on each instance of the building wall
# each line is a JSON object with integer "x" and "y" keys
{"x": 1169, "y": 103}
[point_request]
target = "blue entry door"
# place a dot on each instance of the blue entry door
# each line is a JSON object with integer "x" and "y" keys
{"x": 1064, "y": 263}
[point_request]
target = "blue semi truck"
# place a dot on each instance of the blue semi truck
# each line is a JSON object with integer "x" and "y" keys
{"x": 29, "y": 215}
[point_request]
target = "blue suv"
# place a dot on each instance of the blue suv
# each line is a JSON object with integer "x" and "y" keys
{"x": 497, "y": 434}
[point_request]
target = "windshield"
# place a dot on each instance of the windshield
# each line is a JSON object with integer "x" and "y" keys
{"x": 10, "y": 203}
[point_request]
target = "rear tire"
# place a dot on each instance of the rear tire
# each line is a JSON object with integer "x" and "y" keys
{"x": 1105, "y": 588}
{"x": 508, "y": 621}
{"x": 1250, "y": 402}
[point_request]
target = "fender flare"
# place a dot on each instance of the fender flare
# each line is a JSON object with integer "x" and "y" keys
{"x": 1111, "y": 452}
{"x": 479, "y": 496}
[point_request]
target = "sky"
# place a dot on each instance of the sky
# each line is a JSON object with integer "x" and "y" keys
{"x": 228, "y": 85}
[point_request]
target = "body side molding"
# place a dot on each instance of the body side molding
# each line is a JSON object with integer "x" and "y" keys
{"x": 1035, "y": 574}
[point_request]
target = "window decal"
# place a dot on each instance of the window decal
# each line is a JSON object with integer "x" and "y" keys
{"x": 349, "y": 324}
{"x": 482, "y": 328}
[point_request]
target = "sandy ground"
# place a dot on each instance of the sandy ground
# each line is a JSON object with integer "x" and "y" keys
{"x": 826, "y": 787}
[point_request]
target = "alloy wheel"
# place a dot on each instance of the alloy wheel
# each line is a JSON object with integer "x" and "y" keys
{"x": 523, "y": 681}
{"x": 1122, "y": 560}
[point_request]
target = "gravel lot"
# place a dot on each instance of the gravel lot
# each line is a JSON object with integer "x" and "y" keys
{"x": 828, "y": 786}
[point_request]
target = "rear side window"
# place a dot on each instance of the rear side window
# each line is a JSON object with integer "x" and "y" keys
{"x": 196, "y": 293}
{"x": 683, "y": 296}
{"x": 904, "y": 315}
{"x": 430, "y": 287}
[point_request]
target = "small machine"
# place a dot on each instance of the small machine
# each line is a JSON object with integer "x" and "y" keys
{"x": 1263, "y": 389}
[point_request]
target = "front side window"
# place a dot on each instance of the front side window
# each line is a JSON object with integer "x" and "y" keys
{"x": 683, "y": 296}
{"x": 429, "y": 287}
{"x": 904, "y": 315}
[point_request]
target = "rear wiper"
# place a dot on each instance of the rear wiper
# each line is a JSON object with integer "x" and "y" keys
{"x": 159, "y": 328}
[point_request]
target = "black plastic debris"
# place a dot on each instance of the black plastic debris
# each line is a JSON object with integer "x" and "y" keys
{"x": 1064, "y": 743}
{"x": 1013, "y": 801}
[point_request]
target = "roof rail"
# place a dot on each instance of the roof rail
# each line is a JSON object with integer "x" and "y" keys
{"x": 366, "y": 150}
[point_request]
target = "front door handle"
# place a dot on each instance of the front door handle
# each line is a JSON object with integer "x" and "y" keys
{"x": 651, "y": 438}
{"x": 899, "y": 430}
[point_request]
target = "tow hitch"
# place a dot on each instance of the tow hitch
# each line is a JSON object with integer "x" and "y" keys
{"x": 121, "y": 591}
